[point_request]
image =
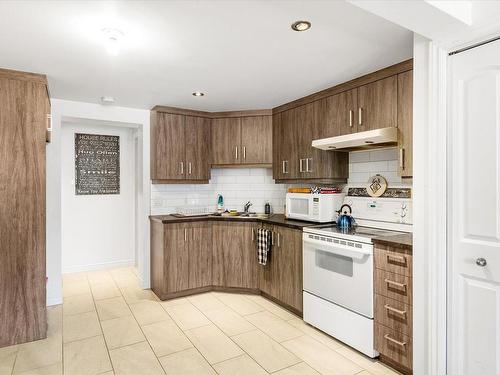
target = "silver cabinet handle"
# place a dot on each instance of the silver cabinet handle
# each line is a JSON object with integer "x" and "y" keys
{"x": 253, "y": 235}
{"x": 395, "y": 283}
{"x": 402, "y": 158}
{"x": 396, "y": 258}
{"x": 182, "y": 167}
{"x": 301, "y": 169}
{"x": 481, "y": 262}
{"x": 236, "y": 152}
{"x": 392, "y": 309}
{"x": 394, "y": 341}
{"x": 272, "y": 238}
{"x": 185, "y": 234}
{"x": 360, "y": 116}
{"x": 279, "y": 237}
{"x": 244, "y": 152}
{"x": 309, "y": 164}
{"x": 285, "y": 166}
{"x": 190, "y": 169}
{"x": 351, "y": 114}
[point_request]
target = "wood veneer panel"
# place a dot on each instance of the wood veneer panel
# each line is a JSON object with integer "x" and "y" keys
{"x": 176, "y": 258}
{"x": 405, "y": 122}
{"x": 200, "y": 254}
{"x": 157, "y": 229}
{"x": 226, "y": 141}
{"x": 197, "y": 137}
{"x": 256, "y": 140}
{"x": 167, "y": 148}
{"x": 23, "y": 106}
{"x": 378, "y": 103}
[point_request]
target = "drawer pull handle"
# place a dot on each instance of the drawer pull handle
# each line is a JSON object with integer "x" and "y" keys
{"x": 392, "y": 309}
{"x": 396, "y": 258}
{"x": 395, "y": 283}
{"x": 394, "y": 341}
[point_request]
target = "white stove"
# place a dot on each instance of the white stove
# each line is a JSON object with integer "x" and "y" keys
{"x": 338, "y": 267}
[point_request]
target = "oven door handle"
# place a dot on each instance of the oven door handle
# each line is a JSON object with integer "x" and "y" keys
{"x": 335, "y": 249}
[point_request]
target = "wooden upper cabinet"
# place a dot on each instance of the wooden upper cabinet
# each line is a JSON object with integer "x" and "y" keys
{"x": 168, "y": 146}
{"x": 405, "y": 123}
{"x": 242, "y": 140}
{"x": 197, "y": 136}
{"x": 226, "y": 140}
{"x": 378, "y": 104}
{"x": 278, "y": 168}
{"x": 180, "y": 147}
{"x": 341, "y": 114}
{"x": 256, "y": 140}
{"x": 289, "y": 144}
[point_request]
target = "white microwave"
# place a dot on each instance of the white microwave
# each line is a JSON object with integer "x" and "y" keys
{"x": 320, "y": 208}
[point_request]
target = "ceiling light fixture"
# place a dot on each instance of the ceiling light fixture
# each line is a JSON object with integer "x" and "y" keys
{"x": 301, "y": 25}
{"x": 113, "y": 38}
{"x": 198, "y": 93}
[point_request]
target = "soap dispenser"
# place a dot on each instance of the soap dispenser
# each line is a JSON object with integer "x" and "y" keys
{"x": 220, "y": 203}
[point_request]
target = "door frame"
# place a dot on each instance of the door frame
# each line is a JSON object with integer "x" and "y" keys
{"x": 430, "y": 141}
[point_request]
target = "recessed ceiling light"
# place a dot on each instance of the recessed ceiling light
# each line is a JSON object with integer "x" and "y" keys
{"x": 113, "y": 38}
{"x": 301, "y": 25}
{"x": 198, "y": 93}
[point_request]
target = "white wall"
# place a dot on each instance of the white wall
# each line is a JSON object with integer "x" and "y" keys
{"x": 62, "y": 110}
{"x": 97, "y": 230}
{"x": 237, "y": 186}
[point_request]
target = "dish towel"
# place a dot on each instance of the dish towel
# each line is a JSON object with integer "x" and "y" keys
{"x": 263, "y": 245}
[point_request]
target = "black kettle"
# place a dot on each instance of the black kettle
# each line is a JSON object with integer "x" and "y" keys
{"x": 345, "y": 220}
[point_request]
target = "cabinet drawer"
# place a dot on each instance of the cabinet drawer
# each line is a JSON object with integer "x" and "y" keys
{"x": 394, "y": 345}
{"x": 393, "y": 261}
{"x": 394, "y": 314}
{"x": 394, "y": 286}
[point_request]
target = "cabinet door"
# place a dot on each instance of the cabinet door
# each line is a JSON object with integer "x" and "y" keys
{"x": 377, "y": 103}
{"x": 234, "y": 256}
{"x": 405, "y": 123}
{"x": 315, "y": 163}
{"x": 256, "y": 140}
{"x": 200, "y": 254}
{"x": 197, "y": 135}
{"x": 288, "y": 266}
{"x": 278, "y": 165}
{"x": 289, "y": 144}
{"x": 168, "y": 147}
{"x": 176, "y": 258}
{"x": 340, "y": 114}
{"x": 226, "y": 141}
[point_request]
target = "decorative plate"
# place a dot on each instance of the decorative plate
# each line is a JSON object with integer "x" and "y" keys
{"x": 377, "y": 185}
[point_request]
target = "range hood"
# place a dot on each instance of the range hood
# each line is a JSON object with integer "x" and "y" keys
{"x": 360, "y": 140}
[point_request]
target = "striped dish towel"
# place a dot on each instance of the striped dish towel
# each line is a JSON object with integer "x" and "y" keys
{"x": 263, "y": 245}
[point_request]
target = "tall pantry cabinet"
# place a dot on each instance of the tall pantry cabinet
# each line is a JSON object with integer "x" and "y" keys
{"x": 24, "y": 124}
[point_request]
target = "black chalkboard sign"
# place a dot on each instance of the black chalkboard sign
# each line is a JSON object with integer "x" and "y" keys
{"x": 97, "y": 164}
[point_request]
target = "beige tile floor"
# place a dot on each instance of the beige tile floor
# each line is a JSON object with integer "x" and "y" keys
{"x": 108, "y": 325}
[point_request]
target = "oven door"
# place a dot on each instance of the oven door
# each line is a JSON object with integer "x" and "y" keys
{"x": 339, "y": 271}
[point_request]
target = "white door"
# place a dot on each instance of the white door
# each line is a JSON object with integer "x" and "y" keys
{"x": 474, "y": 212}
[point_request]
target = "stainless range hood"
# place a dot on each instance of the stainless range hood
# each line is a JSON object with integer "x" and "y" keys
{"x": 359, "y": 141}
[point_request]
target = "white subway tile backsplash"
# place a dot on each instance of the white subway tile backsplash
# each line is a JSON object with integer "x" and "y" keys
{"x": 359, "y": 157}
{"x": 364, "y": 164}
{"x": 384, "y": 154}
{"x": 237, "y": 186}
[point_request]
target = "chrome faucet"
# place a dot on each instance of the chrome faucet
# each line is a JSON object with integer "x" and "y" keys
{"x": 246, "y": 207}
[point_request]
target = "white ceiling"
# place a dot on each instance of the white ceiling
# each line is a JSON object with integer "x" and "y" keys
{"x": 242, "y": 54}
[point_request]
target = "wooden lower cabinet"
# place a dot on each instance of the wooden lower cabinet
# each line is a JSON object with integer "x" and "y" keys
{"x": 181, "y": 257}
{"x": 234, "y": 255}
{"x": 281, "y": 278}
{"x": 191, "y": 257}
{"x": 393, "y": 306}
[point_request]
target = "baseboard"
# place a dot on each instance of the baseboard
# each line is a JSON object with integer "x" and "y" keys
{"x": 99, "y": 266}
{"x": 52, "y": 301}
